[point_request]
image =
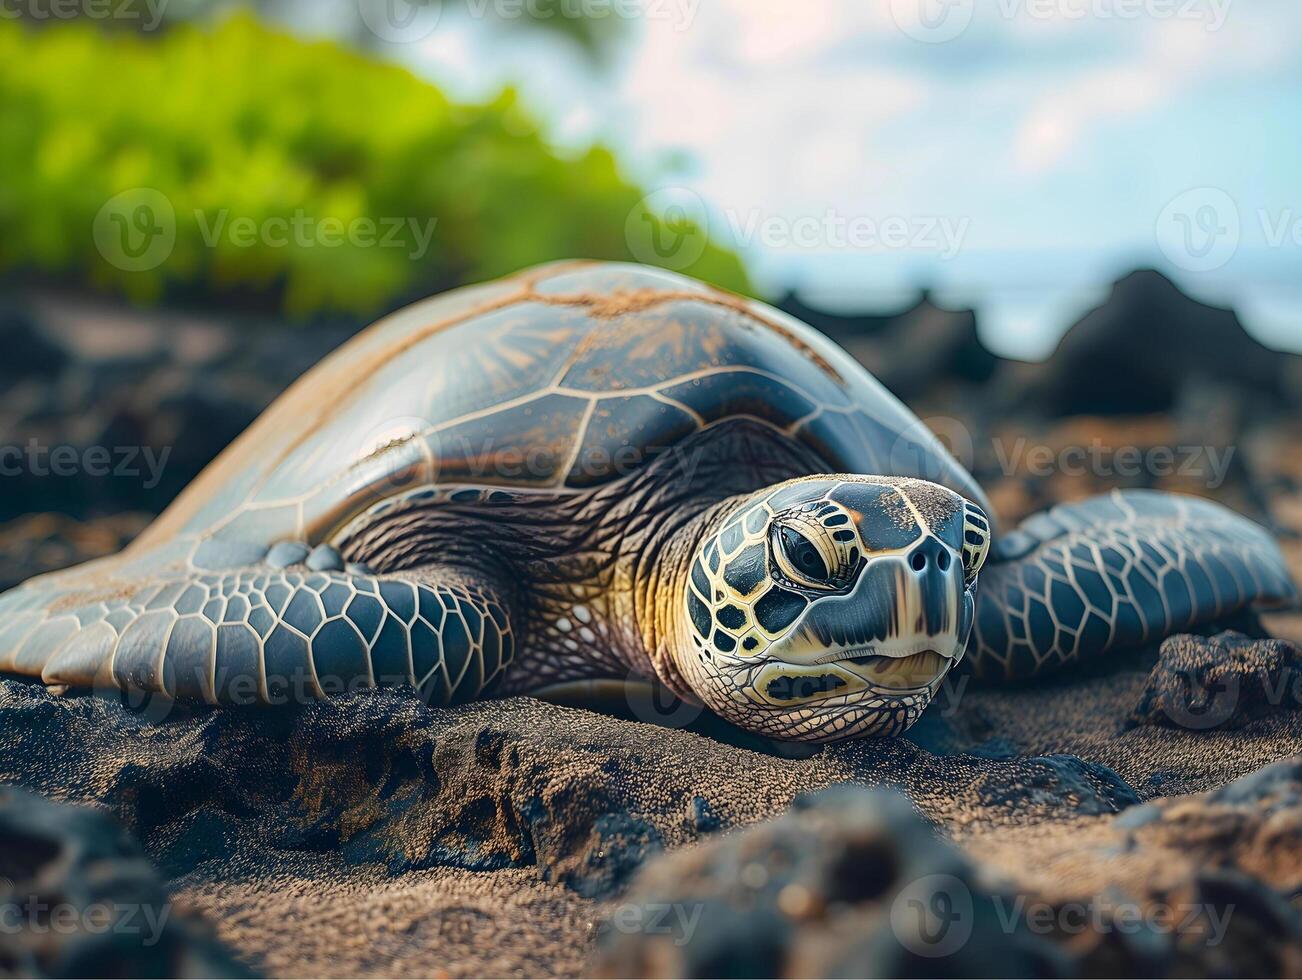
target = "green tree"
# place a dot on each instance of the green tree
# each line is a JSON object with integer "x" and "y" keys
{"x": 236, "y": 126}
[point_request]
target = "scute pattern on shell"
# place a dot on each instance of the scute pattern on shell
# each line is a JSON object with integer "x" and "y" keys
{"x": 561, "y": 378}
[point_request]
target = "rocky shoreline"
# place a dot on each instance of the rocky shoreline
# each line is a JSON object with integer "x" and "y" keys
{"x": 1143, "y": 819}
{"x": 374, "y": 835}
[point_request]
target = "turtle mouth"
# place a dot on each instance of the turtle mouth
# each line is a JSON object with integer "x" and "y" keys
{"x": 912, "y": 673}
{"x": 847, "y": 674}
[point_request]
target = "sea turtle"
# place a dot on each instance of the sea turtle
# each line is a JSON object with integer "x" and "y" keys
{"x": 601, "y": 471}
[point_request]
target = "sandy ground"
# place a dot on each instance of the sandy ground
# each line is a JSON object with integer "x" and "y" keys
{"x": 376, "y": 837}
{"x": 318, "y": 916}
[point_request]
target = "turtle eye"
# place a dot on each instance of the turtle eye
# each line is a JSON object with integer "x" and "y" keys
{"x": 802, "y": 560}
{"x": 976, "y": 541}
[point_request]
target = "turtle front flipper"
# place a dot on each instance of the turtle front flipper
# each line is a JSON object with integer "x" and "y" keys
{"x": 1116, "y": 572}
{"x": 294, "y": 626}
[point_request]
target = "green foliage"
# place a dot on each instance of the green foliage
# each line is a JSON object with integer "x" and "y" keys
{"x": 272, "y": 154}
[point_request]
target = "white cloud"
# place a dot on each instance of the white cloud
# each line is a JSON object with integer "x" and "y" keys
{"x": 766, "y": 136}
{"x": 1153, "y": 62}
{"x": 1057, "y": 120}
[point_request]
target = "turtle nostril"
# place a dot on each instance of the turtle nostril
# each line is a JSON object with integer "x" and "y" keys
{"x": 942, "y": 561}
{"x": 918, "y": 561}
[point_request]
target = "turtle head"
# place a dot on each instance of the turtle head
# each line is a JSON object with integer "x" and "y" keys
{"x": 830, "y": 607}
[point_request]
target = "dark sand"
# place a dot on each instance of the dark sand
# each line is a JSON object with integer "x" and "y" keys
{"x": 373, "y": 836}
{"x": 377, "y": 837}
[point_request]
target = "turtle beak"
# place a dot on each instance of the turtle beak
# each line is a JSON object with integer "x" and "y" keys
{"x": 900, "y": 630}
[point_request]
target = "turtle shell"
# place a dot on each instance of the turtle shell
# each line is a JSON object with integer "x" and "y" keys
{"x": 558, "y": 379}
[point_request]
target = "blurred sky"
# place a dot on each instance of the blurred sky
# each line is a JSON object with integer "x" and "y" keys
{"x": 1025, "y": 152}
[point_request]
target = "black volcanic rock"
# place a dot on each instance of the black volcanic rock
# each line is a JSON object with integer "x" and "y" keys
{"x": 929, "y": 345}
{"x": 384, "y": 779}
{"x": 330, "y": 838}
{"x": 80, "y": 898}
{"x": 855, "y": 883}
{"x": 910, "y": 351}
{"x": 28, "y": 352}
{"x": 1059, "y": 782}
{"x": 848, "y": 883}
{"x": 1145, "y": 347}
{"x": 841, "y": 327}
{"x": 83, "y": 375}
{"x": 1224, "y": 681}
